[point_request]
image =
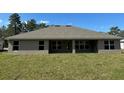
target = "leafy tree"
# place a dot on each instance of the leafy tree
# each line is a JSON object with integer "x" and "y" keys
{"x": 3, "y": 31}
{"x": 42, "y": 25}
{"x": 15, "y": 25}
{"x": 114, "y": 31}
{"x": 31, "y": 25}
{"x": 24, "y": 27}
{"x": 3, "y": 28}
{"x": 121, "y": 33}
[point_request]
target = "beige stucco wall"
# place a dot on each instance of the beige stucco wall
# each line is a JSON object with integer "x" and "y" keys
{"x": 29, "y": 46}
{"x": 33, "y": 45}
{"x": 102, "y": 50}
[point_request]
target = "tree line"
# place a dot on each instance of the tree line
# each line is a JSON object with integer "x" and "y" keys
{"x": 16, "y": 26}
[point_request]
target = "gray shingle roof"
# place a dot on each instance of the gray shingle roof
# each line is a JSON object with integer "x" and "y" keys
{"x": 63, "y": 32}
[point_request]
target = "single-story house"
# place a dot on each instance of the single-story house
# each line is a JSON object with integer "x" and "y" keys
{"x": 61, "y": 39}
{"x": 1, "y": 44}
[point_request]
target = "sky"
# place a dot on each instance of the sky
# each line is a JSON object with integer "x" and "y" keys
{"x": 100, "y": 22}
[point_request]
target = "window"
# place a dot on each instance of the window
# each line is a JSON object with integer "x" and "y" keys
{"x": 76, "y": 42}
{"x": 41, "y": 45}
{"x": 57, "y": 45}
{"x": 77, "y": 46}
{"x": 109, "y": 44}
{"x": 81, "y": 45}
{"x": 41, "y": 42}
{"x": 15, "y": 48}
{"x": 15, "y": 45}
{"x": 86, "y": 46}
{"x": 16, "y": 42}
{"x": 106, "y": 44}
{"x": 54, "y": 45}
{"x": 112, "y": 44}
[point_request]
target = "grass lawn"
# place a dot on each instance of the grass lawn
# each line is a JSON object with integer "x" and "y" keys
{"x": 62, "y": 66}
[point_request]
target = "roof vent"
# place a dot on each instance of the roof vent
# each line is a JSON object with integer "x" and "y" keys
{"x": 68, "y": 25}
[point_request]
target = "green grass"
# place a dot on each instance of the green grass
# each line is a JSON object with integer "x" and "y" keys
{"x": 62, "y": 66}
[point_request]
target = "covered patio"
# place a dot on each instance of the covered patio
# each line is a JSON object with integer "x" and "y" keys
{"x": 72, "y": 46}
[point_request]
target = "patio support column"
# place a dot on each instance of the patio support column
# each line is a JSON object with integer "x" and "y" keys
{"x": 46, "y": 47}
{"x": 10, "y": 44}
{"x": 73, "y": 46}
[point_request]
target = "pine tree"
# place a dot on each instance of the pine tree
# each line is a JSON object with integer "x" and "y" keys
{"x": 15, "y": 25}
{"x": 31, "y": 25}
